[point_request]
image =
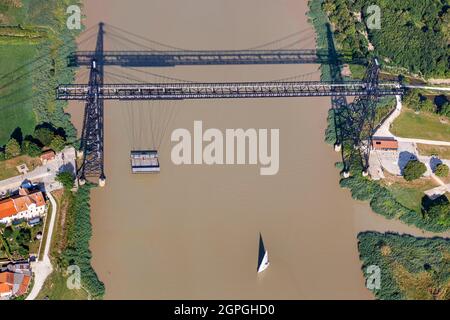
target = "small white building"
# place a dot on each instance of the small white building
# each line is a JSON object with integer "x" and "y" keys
{"x": 25, "y": 206}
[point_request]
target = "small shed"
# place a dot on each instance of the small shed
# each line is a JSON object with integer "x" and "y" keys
{"x": 47, "y": 156}
{"x": 384, "y": 143}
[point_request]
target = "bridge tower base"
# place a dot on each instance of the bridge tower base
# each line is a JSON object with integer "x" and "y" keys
{"x": 81, "y": 181}
{"x": 337, "y": 147}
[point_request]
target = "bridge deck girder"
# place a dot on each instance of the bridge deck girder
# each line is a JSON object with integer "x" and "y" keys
{"x": 175, "y": 91}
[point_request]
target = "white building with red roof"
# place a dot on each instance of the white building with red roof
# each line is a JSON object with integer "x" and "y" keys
{"x": 25, "y": 206}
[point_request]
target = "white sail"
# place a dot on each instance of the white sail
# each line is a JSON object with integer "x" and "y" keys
{"x": 263, "y": 257}
{"x": 264, "y": 263}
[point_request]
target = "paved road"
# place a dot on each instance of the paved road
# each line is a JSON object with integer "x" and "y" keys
{"x": 423, "y": 141}
{"x": 428, "y": 87}
{"x": 42, "y": 269}
{"x": 46, "y": 174}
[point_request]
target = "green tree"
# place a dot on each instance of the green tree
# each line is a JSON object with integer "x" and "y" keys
{"x": 445, "y": 109}
{"x": 31, "y": 148}
{"x": 8, "y": 232}
{"x": 66, "y": 179}
{"x": 412, "y": 100}
{"x": 44, "y": 135}
{"x": 12, "y": 148}
{"x": 413, "y": 170}
{"x": 439, "y": 211}
{"x": 441, "y": 170}
{"x": 329, "y": 6}
{"x": 24, "y": 237}
{"x": 57, "y": 143}
{"x": 427, "y": 105}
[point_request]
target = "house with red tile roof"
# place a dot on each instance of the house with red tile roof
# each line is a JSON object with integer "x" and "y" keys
{"x": 47, "y": 156}
{"x": 13, "y": 284}
{"x": 25, "y": 206}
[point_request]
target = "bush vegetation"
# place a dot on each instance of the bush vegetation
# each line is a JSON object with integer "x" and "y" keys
{"x": 382, "y": 201}
{"x": 417, "y": 100}
{"x": 79, "y": 232}
{"x": 413, "y": 170}
{"x": 12, "y": 149}
{"x": 441, "y": 170}
{"x": 411, "y": 268}
{"x": 44, "y": 135}
{"x": 18, "y": 241}
{"x": 66, "y": 179}
{"x": 28, "y": 81}
{"x": 414, "y": 34}
{"x": 437, "y": 210}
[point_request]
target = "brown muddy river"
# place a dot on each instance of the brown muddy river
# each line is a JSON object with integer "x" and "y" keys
{"x": 192, "y": 231}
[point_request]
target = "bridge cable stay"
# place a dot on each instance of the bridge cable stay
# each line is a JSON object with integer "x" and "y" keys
{"x": 140, "y": 37}
{"x": 280, "y": 40}
{"x": 120, "y": 38}
{"x": 149, "y": 119}
{"x": 127, "y": 42}
{"x": 34, "y": 96}
{"x": 64, "y": 44}
{"x": 308, "y": 42}
{"x": 309, "y": 31}
{"x": 39, "y": 63}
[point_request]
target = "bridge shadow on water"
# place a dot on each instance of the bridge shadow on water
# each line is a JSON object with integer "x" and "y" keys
{"x": 223, "y": 57}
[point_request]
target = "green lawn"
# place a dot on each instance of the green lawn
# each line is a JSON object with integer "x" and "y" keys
{"x": 8, "y": 167}
{"x": 16, "y": 109}
{"x": 422, "y": 126}
{"x": 442, "y": 152}
{"x": 411, "y": 197}
{"x": 55, "y": 288}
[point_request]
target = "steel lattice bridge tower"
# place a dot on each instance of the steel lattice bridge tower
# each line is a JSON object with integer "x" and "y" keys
{"x": 96, "y": 91}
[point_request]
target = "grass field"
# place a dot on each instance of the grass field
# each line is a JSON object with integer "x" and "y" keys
{"x": 55, "y": 288}
{"x": 411, "y": 268}
{"x": 16, "y": 108}
{"x": 410, "y": 194}
{"x": 8, "y": 167}
{"x": 422, "y": 126}
{"x": 442, "y": 152}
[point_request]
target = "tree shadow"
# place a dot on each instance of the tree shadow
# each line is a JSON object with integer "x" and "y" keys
{"x": 440, "y": 101}
{"x": 427, "y": 203}
{"x": 17, "y": 135}
{"x": 32, "y": 139}
{"x": 57, "y": 131}
{"x": 403, "y": 159}
{"x": 434, "y": 162}
{"x": 68, "y": 167}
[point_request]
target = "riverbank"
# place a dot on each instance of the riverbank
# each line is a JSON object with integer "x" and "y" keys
{"x": 381, "y": 199}
{"x": 70, "y": 250}
{"x": 409, "y": 267}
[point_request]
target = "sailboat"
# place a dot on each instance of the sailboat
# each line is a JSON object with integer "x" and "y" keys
{"x": 263, "y": 256}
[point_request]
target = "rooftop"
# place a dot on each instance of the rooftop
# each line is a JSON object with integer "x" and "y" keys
{"x": 14, "y": 205}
